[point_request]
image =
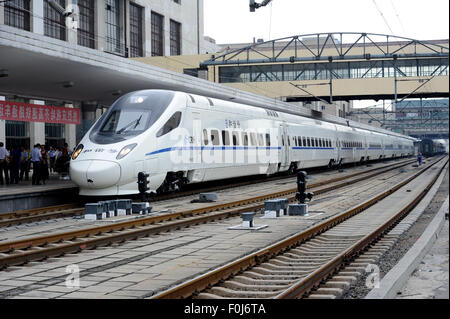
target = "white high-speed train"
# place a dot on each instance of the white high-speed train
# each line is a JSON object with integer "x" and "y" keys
{"x": 180, "y": 138}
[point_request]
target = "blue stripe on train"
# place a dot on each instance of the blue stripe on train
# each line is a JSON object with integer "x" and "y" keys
{"x": 206, "y": 148}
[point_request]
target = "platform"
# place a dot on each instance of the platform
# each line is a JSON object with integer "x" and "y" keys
{"x": 23, "y": 195}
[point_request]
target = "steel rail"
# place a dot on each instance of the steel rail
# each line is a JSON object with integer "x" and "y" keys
{"x": 59, "y": 211}
{"x": 34, "y": 211}
{"x": 43, "y": 215}
{"x": 22, "y": 251}
{"x": 312, "y": 281}
{"x": 213, "y": 277}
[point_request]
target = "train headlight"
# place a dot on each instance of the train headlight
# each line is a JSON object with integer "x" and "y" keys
{"x": 77, "y": 151}
{"x": 124, "y": 151}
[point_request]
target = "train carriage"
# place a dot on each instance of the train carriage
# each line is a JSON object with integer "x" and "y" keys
{"x": 180, "y": 138}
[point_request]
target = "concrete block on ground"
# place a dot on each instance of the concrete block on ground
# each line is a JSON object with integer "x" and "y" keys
{"x": 298, "y": 210}
{"x": 123, "y": 207}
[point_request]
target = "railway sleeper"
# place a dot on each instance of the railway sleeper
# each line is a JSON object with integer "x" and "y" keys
{"x": 340, "y": 278}
{"x": 280, "y": 272}
{"x": 300, "y": 267}
{"x": 295, "y": 263}
{"x": 228, "y": 293}
{"x": 262, "y": 281}
{"x": 301, "y": 258}
{"x": 205, "y": 295}
{"x": 337, "y": 284}
{"x": 258, "y": 276}
{"x": 237, "y": 286}
{"x": 329, "y": 291}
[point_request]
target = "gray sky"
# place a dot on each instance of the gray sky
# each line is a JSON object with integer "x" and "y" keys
{"x": 229, "y": 21}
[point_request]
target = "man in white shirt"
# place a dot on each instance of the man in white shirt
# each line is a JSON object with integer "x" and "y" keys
{"x": 36, "y": 157}
{"x": 3, "y": 164}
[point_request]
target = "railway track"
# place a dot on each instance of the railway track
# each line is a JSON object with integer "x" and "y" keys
{"x": 39, "y": 248}
{"x": 72, "y": 209}
{"x": 300, "y": 264}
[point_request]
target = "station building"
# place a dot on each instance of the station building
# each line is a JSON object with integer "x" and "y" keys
{"x": 126, "y": 29}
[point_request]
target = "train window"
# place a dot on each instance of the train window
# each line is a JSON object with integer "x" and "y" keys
{"x": 288, "y": 139}
{"x": 282, "y": 140}
{"x": 235, "y": 138}
{"x": 268, "y": 140}
{"x": 253, "y": 139}
{"x": 260, "y": 140}
{"x": 296, "y": 140}
{"x": 321, "y": 142}
{"x": 304, "y": 141}
{"x": 205, "y": 137}
{"x": 210, "y": 102}
{"x": 215, "y": 137}
{"x": 245, "y": 138}
{"x": 192, "y": 98}
{"x": 308, "y": 141}
{"x": 225, "y": 138}
{"x": 171, "y": 124}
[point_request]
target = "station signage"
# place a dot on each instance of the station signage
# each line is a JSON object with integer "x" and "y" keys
{"x": 14, "y": 111}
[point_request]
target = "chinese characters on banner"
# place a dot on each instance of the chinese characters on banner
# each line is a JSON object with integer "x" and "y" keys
{"x": 13, "y": 111}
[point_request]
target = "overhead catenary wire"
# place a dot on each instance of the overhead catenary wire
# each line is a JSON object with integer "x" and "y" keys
{"x": 398, "y": 17}
{"x": 382, "y": 15}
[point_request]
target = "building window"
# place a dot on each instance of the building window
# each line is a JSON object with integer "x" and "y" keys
{"x": 17, "y": 14}
{"x": 17, "y": 133}
{"x": 157, "y": 34}
{"x": 136, "y": 34}
{"x": 86, "y": 26}
{"x": 54, "y": 22}
{"x": 113, "y": 26}
{"x": 175, "y": 38}
{"x": 54, "y": 134}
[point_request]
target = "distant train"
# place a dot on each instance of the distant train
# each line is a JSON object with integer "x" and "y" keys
{"x": 432, "y": 147}
{"x": 179, "y": 138}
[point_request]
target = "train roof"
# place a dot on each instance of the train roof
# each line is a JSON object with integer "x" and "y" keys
{"x": 327, "y": 119}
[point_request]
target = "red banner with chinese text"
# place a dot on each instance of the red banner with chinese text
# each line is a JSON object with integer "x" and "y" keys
{"x": 13, "y": 111}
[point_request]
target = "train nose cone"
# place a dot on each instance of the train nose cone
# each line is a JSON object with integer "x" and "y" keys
{"x": 95, "y": 173}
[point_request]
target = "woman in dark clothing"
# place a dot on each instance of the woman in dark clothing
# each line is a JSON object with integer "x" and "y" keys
{"x": 14, "y": 165}
{"x": 44, "y": 165}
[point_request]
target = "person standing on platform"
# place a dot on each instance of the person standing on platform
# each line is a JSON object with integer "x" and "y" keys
{"x": 52, "y": 157}
{"x": 44, "y": 165}
{"x": 23, "y": 164}
{"x": 419, "y": 158}
{"x": 15, "y": 164}
{"x": 3, "y": 164}
{"x": 36, "y": 158}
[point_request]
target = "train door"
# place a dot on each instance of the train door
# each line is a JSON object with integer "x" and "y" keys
{"x": 196, "y": 142}
{"x": 284, "y": 145}
{"x": 338, "y": 152}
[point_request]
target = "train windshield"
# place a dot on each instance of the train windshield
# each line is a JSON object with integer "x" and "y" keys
{"x": 130, "y": 115}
